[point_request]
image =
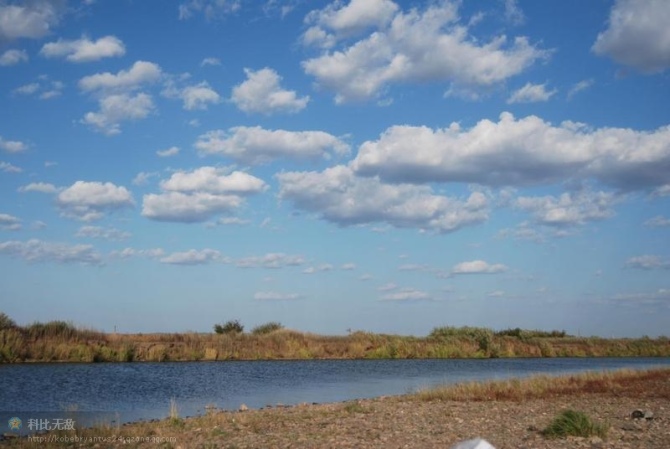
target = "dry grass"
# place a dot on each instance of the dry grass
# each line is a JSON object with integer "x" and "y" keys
{"x": 623, "y": 382}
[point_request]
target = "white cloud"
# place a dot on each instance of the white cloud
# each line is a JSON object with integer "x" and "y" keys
{"x": 350, "y": 19}
{"x": 365, "y": 277}
{"x": 172, "y": 151}
{"x": 477, "y": 267}
{"x": 9, "y": 222}
{"x": 194, "y": 97}
{"x": 143, "y": 178}
{"x": 637, "y": 35}
{"x": 339, "y": 196}
{"x": 211, "y": 9}
{"x": 12, "y": 146}
{"x": 647, "y": 262}
{"x": 318, "y": 269}
{"x": 187, "y": 208}
{"x": 513, "y": 12}
{"x": 32, "y": 20}
{"x": 270, "y": 260}
{"x": 657, "y": 222}
{"x": 214, "y": 180}
{"x": 656, "y": 298}
{"x": 192, "y": 257}
{"x": 663, "y": 190}
{"x": 256, "y": 145}
{"x": 9, "y": 168}
{"x": 84, "y": 49}
{"x": 496, "y": 294}
{"x": 98, "y": 232}
{"x": 276, "y": 296}
{"x": 115, "y": 109}
{"x": 141, "y": 73}
{"x": 518, "y": 152}
{"x": 87, "y": 201}
{"x": 579, "y": 87}
{"x": 387, "y": 287}
{"x": 42, "y": 187}
{"x": 198, "y": 195}
{"x": 153, "y": 253}
{"x": 13, "y": 57}
{"x": 233, "y": 221}
{"x": 262, "y": 94}
{"x": 26, "y": 89}
{"x": 570, "y": 208}
{"x": 348, "y": 266}
{"x": 531, "y": 93}
{"x": 406, "y": 294}
{"x": 40, "y": 251}
{"x": 522, "y": 231}
{"x": 418, "y": 46}
{"x": 210, "y": 61}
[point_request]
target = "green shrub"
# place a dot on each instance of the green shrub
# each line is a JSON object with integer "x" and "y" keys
{"x": 267, "y": 328}
{"x": 6, "y": 322}
{"x": 229, "y": 327}
{"x": 573, "y": 423}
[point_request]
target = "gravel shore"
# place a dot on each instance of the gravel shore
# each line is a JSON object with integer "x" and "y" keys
{"x": 412, "y": 421}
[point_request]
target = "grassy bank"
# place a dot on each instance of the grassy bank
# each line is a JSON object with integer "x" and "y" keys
{"x": 539, "y": 412}
{"x": 59, "y": 341}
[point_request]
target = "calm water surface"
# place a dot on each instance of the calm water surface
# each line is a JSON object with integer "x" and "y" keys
{"x": 143, "y": 390}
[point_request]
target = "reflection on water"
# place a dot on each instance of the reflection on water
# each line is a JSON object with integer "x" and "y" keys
{"x": 136, "y": 391}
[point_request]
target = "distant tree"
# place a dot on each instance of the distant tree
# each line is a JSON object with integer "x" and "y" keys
{"x": 267, "y": 328}
{"x": 6, "y": 322}
{"x": 229, "y": 327}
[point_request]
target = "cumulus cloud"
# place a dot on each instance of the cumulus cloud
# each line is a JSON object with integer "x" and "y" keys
{"x": 194, "y": 97}
{"x": 647, "y": 262}
{"x": 12, "y": 146}
{"x": 84, "y": 49}
{"x": 348, "y": 266}
{"x": 9, "y": 168}
{"x": 637, "y": 35}
{"x": 98, "y": 232}
{"x": 115, "y": 109}
{"x": 339, "y": 196}
{"x": 9, "y": 222}
{"x": 198, "y": 195}
{"x": 210, "y": 61}
{"x": 406, "y": 294}
{"x": 256, "y": 145}
{"x": 141, "y": 73}
{"x": 570, "y": 208}
{"x": 276, "y": 296}
{"x": 318, "y": 268}
{"x": 41, "y": 187}
{"x": 153, "y": 253}
{"x": 88, "y": 201}
{"x": 477, "y": 267}
{"x": 192, "y": 257}
{"x": 409, "y": 46}
{"x": 29, "y": 20}
{"x": 13, "y": 57}
{"x": 531, "y": 93}
{"x": 172, "y": 151}
{"x": 387, "y": 287}
{"x": 270, "y": 260}
{"x": 34, "y": 251}
{"x": 232, "y": 221}
{"x": 261, "y": 93}
{"x": 26, "y": 89}
{"x": 527, "y": 151}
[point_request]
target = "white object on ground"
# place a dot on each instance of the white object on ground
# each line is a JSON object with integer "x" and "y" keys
{"x": 477, "y": 443}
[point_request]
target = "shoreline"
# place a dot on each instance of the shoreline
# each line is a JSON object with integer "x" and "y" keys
{"x": 508, "y": 413}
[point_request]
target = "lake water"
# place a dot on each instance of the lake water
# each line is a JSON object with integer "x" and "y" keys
{"x": 135, "y": 391}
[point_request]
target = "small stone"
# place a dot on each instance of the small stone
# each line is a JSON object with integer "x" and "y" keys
{"x": 648, "y": 415}
{"x": 532, "y": 428}
{"x": 630, "y": 426}
{"x": 243, "y": 408}
{"x": 637, "y": 414}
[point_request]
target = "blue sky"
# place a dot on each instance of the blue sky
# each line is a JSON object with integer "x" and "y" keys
{"x": 367, "y": 164}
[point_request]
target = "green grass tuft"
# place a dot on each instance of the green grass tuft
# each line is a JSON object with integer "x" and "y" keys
{"x": 573, "y": 423}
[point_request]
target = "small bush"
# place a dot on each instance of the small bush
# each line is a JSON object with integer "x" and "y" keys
{"x": 6, "y": 322}
{"x": 229, "y": 327}
{"x": 572, "y": 423}
{"x": 267, "y": 328}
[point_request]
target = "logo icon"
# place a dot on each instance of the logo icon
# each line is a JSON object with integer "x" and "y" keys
{"x": 15, "y": 423}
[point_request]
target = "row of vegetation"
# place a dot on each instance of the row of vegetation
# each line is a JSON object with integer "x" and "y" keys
{"x": 62, "y": 341}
